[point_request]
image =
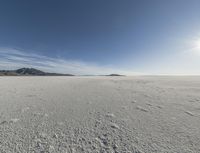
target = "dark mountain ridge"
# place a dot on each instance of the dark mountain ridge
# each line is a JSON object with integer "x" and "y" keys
{"x": 29, "y": 72}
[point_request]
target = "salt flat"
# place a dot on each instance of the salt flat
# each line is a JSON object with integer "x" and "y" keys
{"x": 142, "y": 114}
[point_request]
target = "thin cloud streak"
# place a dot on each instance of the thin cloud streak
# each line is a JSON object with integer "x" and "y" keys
{"x": 14, "y": 58}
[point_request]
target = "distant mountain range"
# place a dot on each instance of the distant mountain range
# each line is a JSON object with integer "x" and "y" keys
{"x": 35, "y": 72}
{"x": 29, "y": 72}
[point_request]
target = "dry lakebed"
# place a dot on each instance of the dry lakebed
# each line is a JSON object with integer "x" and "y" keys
{"x": 99, "y": 114}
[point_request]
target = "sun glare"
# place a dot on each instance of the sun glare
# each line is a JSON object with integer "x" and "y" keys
{"x": 196, "y": 46}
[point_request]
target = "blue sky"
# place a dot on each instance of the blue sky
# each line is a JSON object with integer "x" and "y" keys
{"x": 101, "y": 36}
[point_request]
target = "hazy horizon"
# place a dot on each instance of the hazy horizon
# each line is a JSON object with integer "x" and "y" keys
{"x": 131, "y": 37}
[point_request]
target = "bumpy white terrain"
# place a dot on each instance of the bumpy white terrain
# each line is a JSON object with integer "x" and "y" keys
{"x": 100, "y": 114}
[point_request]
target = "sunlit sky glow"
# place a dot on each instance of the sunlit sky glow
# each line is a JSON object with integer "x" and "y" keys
{"x": 101, "y": 36}
{"x": 196, "y": 44}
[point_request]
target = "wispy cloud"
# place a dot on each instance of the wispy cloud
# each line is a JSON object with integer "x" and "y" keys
{"x": 14, "y": 58}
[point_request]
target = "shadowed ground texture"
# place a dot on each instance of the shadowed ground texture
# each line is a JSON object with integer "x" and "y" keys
{"x": 100, "y": 114}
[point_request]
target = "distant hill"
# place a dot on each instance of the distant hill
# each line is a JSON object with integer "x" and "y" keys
{"x": 115, "y": 75}
{"x": 29, "y": 72}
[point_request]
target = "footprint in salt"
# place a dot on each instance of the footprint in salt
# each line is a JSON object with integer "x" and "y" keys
{"x": 3, "y": 122}
{"x": 189, "y": 113}
{"x": 114, "y": 126}
{"x": 141, "y": 109}
{"x": 159, "y": 107}
{"x": 149, "y": 104}
{"x": 133, "y": 101}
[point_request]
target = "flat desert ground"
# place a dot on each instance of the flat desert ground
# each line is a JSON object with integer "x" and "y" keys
{"x": 141, "y": 114}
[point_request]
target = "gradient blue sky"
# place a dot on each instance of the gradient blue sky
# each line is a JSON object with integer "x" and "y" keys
{"x": 101, "y": 36}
